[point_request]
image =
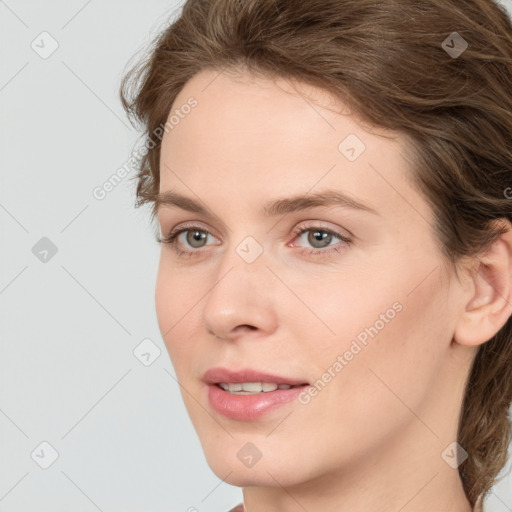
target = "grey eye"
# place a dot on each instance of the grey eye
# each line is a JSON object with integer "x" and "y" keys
{"x": 319, "y": 237}
{"x": 195, "y": 238}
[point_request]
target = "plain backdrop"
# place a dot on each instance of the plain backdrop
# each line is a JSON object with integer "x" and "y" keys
{"x": 91, "y": 417}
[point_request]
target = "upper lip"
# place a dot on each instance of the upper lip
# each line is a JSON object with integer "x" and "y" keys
{"x": 217, "y": 375}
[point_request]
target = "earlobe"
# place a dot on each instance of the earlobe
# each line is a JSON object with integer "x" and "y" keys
{"x": 489, "y": 302}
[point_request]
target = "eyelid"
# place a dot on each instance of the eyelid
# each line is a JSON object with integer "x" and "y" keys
{"x": 319, "y": 225}
{"x": 188, "y": 225}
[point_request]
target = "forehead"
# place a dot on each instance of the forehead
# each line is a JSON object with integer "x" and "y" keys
{"x": 250, "y": 137}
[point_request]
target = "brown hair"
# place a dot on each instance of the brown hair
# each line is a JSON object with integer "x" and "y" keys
{"x": 386, "y": 59}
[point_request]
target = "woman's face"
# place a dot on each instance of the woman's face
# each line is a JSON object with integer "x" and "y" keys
{"x": 363, "y": 312}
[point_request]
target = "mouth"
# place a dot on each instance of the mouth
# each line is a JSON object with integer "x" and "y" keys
{"x": 254, "y": 388}
{"x": 247, "y": 395}
{"x": 253, "y": 404}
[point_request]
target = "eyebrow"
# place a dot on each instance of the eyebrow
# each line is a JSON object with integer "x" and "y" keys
{"x": 273, "y": 208}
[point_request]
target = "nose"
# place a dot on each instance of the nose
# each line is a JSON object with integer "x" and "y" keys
{"x": 241, "y": 300}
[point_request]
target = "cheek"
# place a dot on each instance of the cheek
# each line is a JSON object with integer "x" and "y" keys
{"x": 392, "y": 347}
{"x": 176, "y": 292}
{"x": 164, "y": 300}
{"x": 394, "y": 321}
{"x": 174, "y": 303}
{"x": 352, "y": 309}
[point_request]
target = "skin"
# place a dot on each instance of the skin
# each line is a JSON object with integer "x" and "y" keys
{"x": 373, "y": 437}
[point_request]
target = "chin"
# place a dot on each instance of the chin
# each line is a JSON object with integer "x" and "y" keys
{"x": 266, "y": 472}
{"x": 253, "y": 477}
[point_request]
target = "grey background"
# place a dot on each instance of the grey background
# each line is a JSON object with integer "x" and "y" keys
{"x": 70, "y": 324}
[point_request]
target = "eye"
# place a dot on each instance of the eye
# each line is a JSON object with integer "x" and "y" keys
{"x": 320, "y": 239}
{"x": 194, "y": 237}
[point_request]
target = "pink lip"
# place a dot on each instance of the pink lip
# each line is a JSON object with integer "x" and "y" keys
{"x": 248, "y": 407}
{"x": 217, "y": 374}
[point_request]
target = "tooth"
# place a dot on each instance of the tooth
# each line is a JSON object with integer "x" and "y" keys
{"x": 255, "y": 387}
{"x": 252, "y": 387}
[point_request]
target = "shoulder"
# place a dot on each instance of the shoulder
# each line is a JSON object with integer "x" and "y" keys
{"x": 238, "y": 508}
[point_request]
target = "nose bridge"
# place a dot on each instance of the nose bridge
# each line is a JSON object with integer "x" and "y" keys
{"x": 240, "y": 294}
{"x": 247, "y": 259}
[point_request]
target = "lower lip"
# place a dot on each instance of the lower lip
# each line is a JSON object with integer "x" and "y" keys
{"x": 249, "y": 407}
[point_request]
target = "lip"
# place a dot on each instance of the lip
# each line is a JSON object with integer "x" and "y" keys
{"x": 248, "y": 407}
{"x": 218, "y": 374}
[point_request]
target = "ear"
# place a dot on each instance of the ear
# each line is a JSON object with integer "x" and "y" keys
{"x": 488, "y": 302}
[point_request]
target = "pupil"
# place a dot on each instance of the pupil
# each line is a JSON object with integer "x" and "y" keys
{"x": 194, "y": 237}
{"x": 318, "y": 236}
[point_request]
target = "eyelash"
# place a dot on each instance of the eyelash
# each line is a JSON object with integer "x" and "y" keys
{"x": 171, "y": 240}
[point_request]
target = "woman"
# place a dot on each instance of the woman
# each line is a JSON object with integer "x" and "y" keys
{"x": 332, "y": 183}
